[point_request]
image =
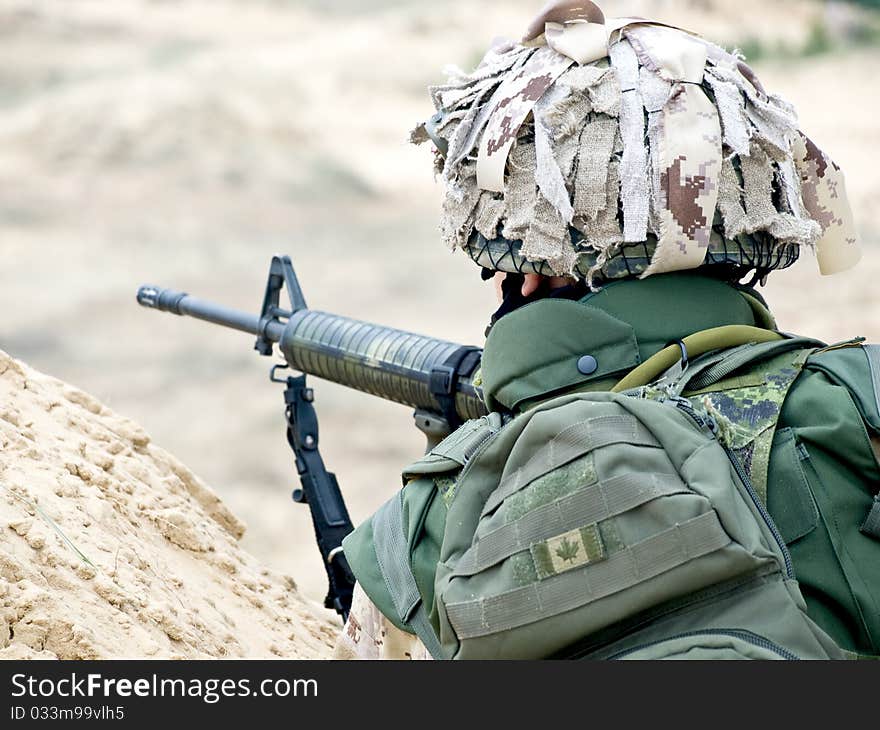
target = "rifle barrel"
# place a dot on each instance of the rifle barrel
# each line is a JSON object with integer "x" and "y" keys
{"x": 182, "y": 304}
{"x": 382, "y": 361}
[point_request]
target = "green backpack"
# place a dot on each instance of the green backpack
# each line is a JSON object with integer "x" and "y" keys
{"x": 607, "y": 525}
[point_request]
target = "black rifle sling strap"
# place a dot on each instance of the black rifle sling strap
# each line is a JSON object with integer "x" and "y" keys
{"x": 444, "y": 381}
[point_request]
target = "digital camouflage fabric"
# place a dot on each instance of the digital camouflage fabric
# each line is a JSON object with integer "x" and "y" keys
{"x": 595, "y": 141}
{"x": 369, "y": 635}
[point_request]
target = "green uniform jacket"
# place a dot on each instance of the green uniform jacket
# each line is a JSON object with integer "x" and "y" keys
{"x": 823, "y": 472}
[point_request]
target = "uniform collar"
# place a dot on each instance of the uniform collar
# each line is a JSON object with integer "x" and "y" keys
{"x": 555, "y": 345}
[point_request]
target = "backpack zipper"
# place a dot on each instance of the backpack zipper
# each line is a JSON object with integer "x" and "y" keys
{"x": 709, "y": 424}
{"x": 746, "y": 636}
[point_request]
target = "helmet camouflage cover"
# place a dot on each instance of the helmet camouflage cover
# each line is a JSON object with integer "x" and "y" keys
{"x": 604, "y": 148}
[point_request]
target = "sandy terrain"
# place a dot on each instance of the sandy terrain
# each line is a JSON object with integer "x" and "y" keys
{"x": 111, "y": 548}
{"x": 184, "y": 142}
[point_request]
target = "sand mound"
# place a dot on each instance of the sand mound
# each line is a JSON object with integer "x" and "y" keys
{"x": 111, "y": 548}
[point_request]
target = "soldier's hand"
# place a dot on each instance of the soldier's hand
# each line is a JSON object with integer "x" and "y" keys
{"x": 531, "y": 283}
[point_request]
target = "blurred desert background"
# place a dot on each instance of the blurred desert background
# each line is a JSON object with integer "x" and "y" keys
{"x": 184, "y": 142}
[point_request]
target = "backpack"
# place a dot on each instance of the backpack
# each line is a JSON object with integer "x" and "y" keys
{"x": 613, "y": 525}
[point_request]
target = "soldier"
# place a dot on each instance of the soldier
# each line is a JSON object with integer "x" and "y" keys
{"x": 631, "y": 183}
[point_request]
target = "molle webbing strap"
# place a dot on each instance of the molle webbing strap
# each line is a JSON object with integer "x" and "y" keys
{"x": 462, "y": 443}
{"x": 392, "y": 554}
{"x": 871, "y": 526}
{"x": 569, "y": 444}
{"x": 589, "y": 506}
{"x": 570, "y": 590}
{"x": 721, "y": 366}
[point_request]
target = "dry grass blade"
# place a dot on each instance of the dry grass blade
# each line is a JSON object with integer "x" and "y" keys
{"x": 49, "y": 521}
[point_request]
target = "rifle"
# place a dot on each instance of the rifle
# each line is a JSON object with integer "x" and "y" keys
{"x": 435, "y": 377}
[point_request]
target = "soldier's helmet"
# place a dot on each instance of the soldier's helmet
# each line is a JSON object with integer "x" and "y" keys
{"x": 606, "y": 148}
